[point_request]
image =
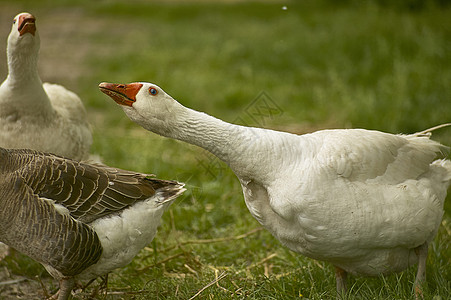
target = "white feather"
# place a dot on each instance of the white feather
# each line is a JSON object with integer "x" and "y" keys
{"x": 45, "y": 117}
{"x": 361, "y": 199}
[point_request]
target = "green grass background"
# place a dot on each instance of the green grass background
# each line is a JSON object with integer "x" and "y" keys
{"x": 381, "y": 65}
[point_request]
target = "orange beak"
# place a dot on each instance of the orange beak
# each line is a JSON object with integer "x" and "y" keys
{"x": 123, "y": 94}
{"x": 26, "y": 24}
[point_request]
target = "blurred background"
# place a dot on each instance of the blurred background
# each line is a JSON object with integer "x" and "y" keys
{"x": 296, "y": 66}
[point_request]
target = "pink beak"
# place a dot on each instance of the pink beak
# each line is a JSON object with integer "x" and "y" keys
{"x": 123, "y": 94}
{"x": 26, "y": 24}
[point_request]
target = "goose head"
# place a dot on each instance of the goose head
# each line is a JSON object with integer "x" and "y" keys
{"x": 24, "y": 37}
{"x": 148, "y": 105}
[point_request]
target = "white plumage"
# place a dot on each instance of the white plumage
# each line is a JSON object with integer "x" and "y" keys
{"x": 368, "y": 202}
{"x": 45, "y": 117}
{"x": 124, "y": 235}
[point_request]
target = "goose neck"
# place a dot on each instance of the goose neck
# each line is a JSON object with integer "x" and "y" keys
{"x": 22, "y": 68}
{"x": 222, "y": 139}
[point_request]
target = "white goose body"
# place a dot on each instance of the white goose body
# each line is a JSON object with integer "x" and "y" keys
{"x": 123, "y": 236}
{"x": 340, "y": 206}
{"x": 79, "y": 220}
{"x": 45, "y": 117}
{"x": 368, "y": 202}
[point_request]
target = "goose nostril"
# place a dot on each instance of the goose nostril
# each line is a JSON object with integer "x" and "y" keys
{"x": 121, "y": 86}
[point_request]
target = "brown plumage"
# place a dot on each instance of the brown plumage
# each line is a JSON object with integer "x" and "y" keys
{"x": 52, "y": 208}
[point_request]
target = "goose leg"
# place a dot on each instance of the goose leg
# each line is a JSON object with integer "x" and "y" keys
{"x": 66, "y": 286}
{"x": 341, "y": 277}
{"x": 105, "y": 284}
{"x": 422, "y": 252}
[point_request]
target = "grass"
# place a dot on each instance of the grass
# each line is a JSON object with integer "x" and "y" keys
{"x": 319, "y": 64}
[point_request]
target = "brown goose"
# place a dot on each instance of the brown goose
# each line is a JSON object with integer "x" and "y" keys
{"x": 79, "y": 220}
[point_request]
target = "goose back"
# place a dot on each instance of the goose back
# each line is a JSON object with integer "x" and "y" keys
{"x": 49, "y": 203}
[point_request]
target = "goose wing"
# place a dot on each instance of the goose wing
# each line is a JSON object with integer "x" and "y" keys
{"x": 362, "y": 155}
{"x": 35, "y": 226}
{"x": 87, "y": 191}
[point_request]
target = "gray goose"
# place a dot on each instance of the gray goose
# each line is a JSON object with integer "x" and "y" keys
{"x": 79, "y": 220}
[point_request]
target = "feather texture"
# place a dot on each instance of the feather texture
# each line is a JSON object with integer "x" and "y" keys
{"x": 61, "y": 212}
{"x": 33, "y": 115}
{"x": 368, "y": 202}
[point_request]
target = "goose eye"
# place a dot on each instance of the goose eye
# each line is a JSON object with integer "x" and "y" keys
{"x": 14, "y": 21}
{"x": 153, "y": 91}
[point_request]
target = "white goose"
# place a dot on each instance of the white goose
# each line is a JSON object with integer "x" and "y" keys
{"x": 45, "y": 117}
{"x": 366, "y": 201}
{"x": 79, "y": 220}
